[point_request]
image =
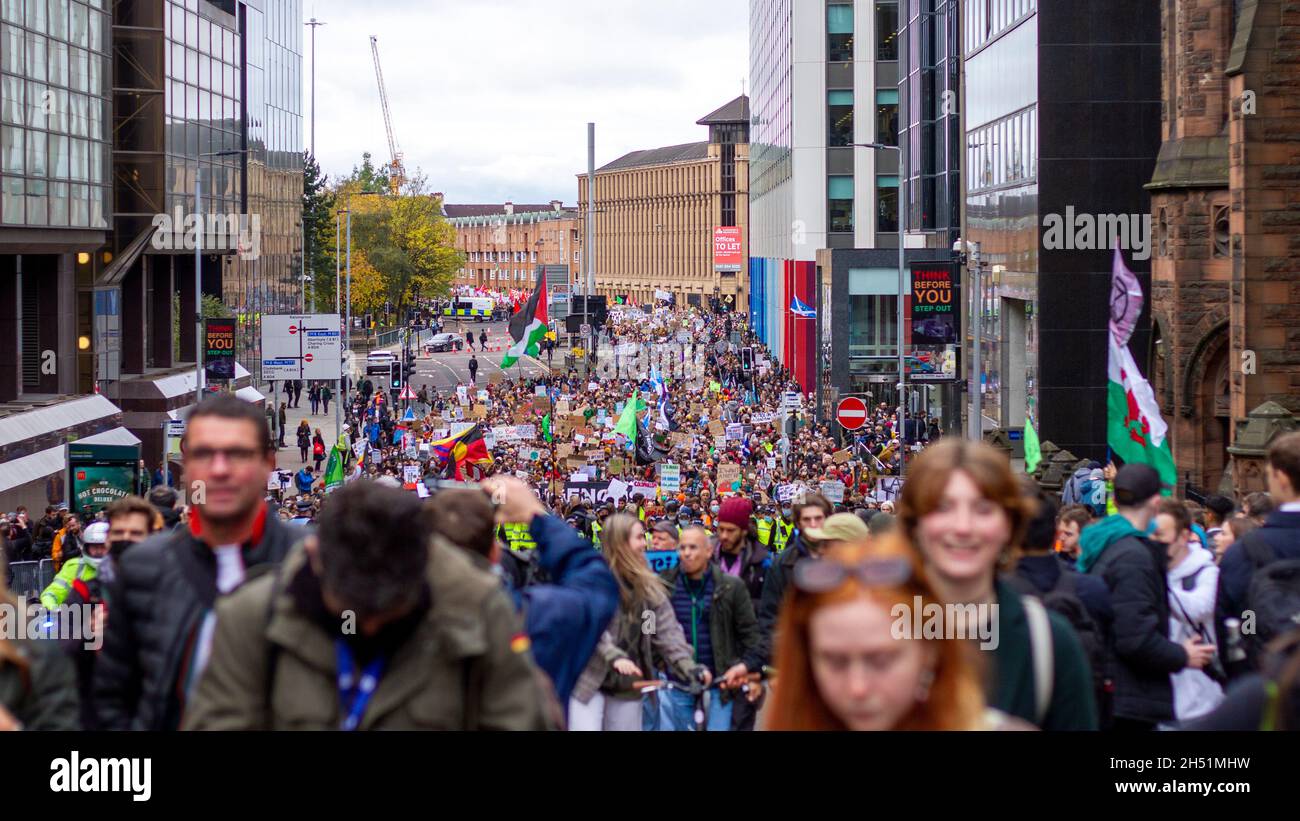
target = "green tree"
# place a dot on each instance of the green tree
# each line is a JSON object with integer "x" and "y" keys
{"x": 318, "y": 209}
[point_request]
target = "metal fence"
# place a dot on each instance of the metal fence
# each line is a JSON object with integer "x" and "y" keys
{"x": 28, "y": 579}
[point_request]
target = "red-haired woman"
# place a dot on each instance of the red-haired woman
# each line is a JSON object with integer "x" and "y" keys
{"x": 965, "y": 513}
{"x": 848, "y": 660}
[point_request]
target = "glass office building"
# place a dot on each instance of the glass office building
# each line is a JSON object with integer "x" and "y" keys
{"x": 1046, "y": 140}
{"x": 54, "y": 120}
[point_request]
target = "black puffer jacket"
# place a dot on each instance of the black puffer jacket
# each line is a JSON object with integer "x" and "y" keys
{"x": 1134, "y": 569}
{"x": 162, "y": 590}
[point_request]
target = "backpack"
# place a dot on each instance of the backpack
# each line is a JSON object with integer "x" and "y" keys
{"x": 1064, "y": 600}
{"x": 1273, "y": 595}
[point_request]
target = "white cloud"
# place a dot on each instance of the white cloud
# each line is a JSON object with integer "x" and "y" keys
{"x": 491, "y": 98}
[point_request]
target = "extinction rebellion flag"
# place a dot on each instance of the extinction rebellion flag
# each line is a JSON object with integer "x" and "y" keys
{"x": 528, "y": 327}
{"x": 1135, "y": 430}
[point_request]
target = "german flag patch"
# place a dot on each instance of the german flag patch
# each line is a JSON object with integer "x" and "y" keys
{"x": 520, "y": 643}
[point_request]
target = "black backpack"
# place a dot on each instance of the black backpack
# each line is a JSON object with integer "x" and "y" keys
{"x": 1273, "y": 596}
{"x": 1064, "y": 600}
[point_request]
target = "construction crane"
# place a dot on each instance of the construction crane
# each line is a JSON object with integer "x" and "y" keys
{"x": 396, "y": 171}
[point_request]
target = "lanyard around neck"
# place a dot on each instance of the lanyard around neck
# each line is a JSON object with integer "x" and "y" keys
{"x": 355, "y": 694}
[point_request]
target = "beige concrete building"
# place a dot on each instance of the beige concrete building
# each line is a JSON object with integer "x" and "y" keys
{"x": 504, "y": 244}
{"x": 656, "y": 211}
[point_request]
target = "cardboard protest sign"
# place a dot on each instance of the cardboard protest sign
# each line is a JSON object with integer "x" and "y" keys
{"x": 479, "y": 412}
{"x": 842, "y": 456}
{"x": 563, "y": 451}
{"x": 727, "y": 476}
{"x": 717, "y": 428}
{"x": 616, "y": 465}
{"x": 562, "y": 407}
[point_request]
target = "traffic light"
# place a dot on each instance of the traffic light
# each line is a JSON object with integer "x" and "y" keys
{"x": 395, "y": 374}
{"x": 746, "y": 359}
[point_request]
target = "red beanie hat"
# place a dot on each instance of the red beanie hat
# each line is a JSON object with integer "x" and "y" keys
{"x": 736, "y": 510}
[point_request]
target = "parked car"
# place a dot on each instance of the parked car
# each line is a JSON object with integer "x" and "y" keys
{"x": 445, "y": 343}
{"x": 380, "y": 362}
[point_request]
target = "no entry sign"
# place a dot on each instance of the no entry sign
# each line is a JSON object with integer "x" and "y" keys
{"x": 851, "y": 413}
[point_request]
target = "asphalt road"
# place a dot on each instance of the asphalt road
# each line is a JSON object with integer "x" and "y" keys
{"x": 445, "y": 370}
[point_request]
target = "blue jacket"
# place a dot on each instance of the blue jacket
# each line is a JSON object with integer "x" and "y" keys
{"x": 303, "y": 480}
{"x": 565, "y": 619}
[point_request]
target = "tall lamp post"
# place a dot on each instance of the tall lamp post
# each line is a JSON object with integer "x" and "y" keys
{"x": 902, "y": 366}
{"x": 198, "y": 270}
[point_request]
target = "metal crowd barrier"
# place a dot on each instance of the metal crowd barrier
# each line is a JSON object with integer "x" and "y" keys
{"x": 28, "y": 579}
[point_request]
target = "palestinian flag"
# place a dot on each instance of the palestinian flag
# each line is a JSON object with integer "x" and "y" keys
{"x": 1135, "y": 430}
{"x": 528, "y": 327}
{"x": 466, "y": 448}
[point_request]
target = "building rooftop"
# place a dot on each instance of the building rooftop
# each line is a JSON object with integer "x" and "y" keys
{"x": 659, "y": 156}
{"x": 494, "y": 210}
{"x": 736, "y": 111}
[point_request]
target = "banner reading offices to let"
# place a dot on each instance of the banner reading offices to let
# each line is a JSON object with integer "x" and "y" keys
{"x": 301, "y": 346}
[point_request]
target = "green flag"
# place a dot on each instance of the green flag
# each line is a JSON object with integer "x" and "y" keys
{"x": 1033, "y": 453}
{"x": 546, "y": 427}
{"x": 334, "y": 468}
{"x": 627, "y": 421}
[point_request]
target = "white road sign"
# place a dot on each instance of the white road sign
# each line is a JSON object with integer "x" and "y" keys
{"x": 301, "y": 346}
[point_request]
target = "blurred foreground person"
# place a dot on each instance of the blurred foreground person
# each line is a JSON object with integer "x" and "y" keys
{"x": 161, "y": 616}
{"x": 964, "y": 511}
{"x": 841, "y": 664}
{"x": 367, "y": 626}
{"x": 38, "y": 688}
{"x": 563, "y": 619}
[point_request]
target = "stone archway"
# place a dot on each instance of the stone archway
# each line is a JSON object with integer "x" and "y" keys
{"x": 1208, "y": 395}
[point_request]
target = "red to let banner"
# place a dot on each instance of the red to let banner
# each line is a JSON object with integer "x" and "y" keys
{"x": 728, "y": 249}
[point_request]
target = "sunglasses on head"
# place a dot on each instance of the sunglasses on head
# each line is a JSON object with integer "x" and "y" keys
{"x": 824, "y": 575}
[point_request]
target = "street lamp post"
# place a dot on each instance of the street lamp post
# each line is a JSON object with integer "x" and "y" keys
{"x": 347, "y": 354}
{"x": 902, "y": 366}
{"x": 201, "y": 228}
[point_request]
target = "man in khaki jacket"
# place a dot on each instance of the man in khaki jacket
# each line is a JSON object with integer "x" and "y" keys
{"x": 367, "y": 626}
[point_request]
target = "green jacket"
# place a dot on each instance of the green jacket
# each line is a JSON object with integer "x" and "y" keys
{"x": 733, "y": 627}
{"x": 46, "y": 698}
{"x": 466, "y": 667}
{"x": 1011, "y": 685}
{"x": 77, "y": 569}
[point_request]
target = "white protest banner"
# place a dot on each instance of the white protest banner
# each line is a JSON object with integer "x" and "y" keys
{"x": 648, "y": 490}
{"x": 617, "y": 490}
{"x": 761, "y": 418}
{"x": 458, "y": 428}
{"x": 579, "y": 438}
{"x": 771, "y": 463}
{"x": 410, "y": 474}
{"x": 735, "y": 431}
{"x": 578, "y": 477}
{"x": 462, "y": 395}
{"x": 787, "y": 492}
{"x": 526, "y": 431}
{"x": 360, "y": 448}
{"x": 833, "y": 491}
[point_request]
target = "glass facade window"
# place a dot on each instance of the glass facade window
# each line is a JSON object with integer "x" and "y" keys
{"x": 53, "y": 92}
{"x": 839, "y": 196}
{"x": 886, "y": 31}
{"x": 887, "y": 116}
{"x": 839, "y": 33}
{"x": 887, "y": 203}
{"x": 1004, "y": 152}
{"x": 839, "y": 111}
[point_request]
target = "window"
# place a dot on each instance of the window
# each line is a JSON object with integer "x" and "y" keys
{"x": 839, "y": 196}
{"x": 886, "y": 203}
{"x": 887, "y": 116}
{"x": 839, "y": 29}
{"x": 1162, "y": 233}
{"x": 839, "y": 111}
{"x": 886, "y": 31}
{"x": 1222, "y": 232}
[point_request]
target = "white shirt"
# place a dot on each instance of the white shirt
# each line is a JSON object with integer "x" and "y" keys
{"x": 230, "y": 567}
{"x": 1290, "y": 507}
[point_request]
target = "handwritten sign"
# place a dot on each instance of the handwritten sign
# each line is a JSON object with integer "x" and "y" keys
{"x": 728, "y": 475}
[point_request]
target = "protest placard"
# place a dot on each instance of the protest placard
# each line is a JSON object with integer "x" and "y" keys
{"x": 410, "y": 475}
{"x": 842, "y": 456}
{"x": 735, "y": 431}
{"x": 833, "y": 491}
{"x": 670, "y": 477}
{"x": 563, "y": 451}
{"x": 728, "y": 475}
{"x": 717, "y": 428}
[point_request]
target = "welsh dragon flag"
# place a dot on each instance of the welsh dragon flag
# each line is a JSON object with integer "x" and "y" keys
{"x": 528, "y": 327}
{"x": 1135, "y": 430}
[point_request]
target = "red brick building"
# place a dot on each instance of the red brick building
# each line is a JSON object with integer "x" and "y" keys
{"x": 1225, "y": 199}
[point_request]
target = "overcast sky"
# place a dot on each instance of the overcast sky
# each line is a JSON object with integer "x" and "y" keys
{"x": 490, "y": 98}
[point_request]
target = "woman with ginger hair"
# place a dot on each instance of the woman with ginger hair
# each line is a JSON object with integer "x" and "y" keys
{"x": 844, "y": 665}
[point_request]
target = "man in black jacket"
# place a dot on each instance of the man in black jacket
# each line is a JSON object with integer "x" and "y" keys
{"x": 160, "y": 628}
{"x": 1277, "y": 540}
{"x": 1134, "y": 568}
